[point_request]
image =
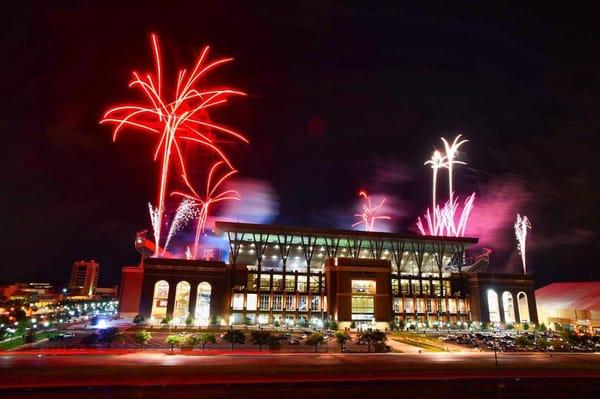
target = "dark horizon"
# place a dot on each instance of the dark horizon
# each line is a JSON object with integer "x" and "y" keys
{"x": 341, "y": 97}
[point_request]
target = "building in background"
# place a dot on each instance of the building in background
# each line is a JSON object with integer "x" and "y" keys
{"x": 84, "y": 278}
{"x": 107, "y": 293}
{"x": 290, "y": 275}
{"x": 572, "y": 305}
{"x": 36, "y": 294}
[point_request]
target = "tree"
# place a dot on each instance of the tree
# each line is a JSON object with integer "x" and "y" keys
{"x": 142, "y": 337}
{"x": 342, "y": 337}
{"x": 331, "y": 325}
{"x": 260, "y": 338}
{"x": 29, "y": 336}
{"x": 523, "y": 340}
{"x": 370, "y": 338}
{"x": 207, "y": 338}
{"x": 542, "y": 327}
{"x": 274, "y": 343}
{"x": 214, "y": 321}
{"x": 165, "y": 321}
{"x": 191, "y": 340}
{"x": 315, "y": 339}
{"x": 138, "y": 319}
{"x": 173, "y": 341}
{"x": 246, "y": 321}
{"x": 526, "y": 326}
{"x": 109, "y": 336}
{"x": 353, "y": 324}
{"x": 276, "y": 324}
{"x": 234, "y": 337}
{"x": 189, "y": 320}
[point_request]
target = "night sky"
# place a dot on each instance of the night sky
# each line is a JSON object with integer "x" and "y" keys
{"x": 342, "y": 96}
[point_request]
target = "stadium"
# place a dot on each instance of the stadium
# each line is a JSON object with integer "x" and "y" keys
{"x": 304, "y": 276}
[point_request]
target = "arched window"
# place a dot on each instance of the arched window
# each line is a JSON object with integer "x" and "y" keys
{"x": 182, "y": 302}
{"x": 523, "y": 307}
{"x": 202, "y": 312}
{"x": 509, "y": 307}
{"x": 493, "y": 307}
{"x": 159, "y": 300}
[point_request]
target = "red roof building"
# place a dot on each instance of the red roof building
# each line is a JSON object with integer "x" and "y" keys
{"x": 577, "y": 304}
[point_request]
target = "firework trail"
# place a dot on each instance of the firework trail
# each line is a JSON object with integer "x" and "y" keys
{"x": 437, "y": 161}
{"x": 451, "y": 151}
{"x": 522, "y": 224}
{"x": 185, "y": 212}
{"x": 369, "y": 214}
{"x": 174, "y": 115}
{"x": 442, "y": 221}
{"x": 203, "y": 203}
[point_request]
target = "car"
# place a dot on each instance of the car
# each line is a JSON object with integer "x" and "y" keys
{"x": 303, "y": 336}
{"x": 294, "y": 341}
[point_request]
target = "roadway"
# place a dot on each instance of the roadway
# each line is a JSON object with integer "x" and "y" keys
{"x": 155, "y": 368}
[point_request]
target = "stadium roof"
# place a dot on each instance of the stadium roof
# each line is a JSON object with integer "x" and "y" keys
{"x": 372, "y": 235}
{"x": 577, "y": 296}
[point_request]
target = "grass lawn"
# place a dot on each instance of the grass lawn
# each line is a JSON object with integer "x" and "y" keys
{"x": 18, "y": 341}
{"x": 420, "y": 340}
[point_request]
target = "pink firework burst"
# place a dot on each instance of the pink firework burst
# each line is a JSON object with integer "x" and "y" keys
{"x": 370, "y": 213}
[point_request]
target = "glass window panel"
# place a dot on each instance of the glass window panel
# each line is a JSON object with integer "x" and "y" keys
{"x": 238, "y": 301}
{"x": 302, "y": 283}
{"x": 366, "y": 287}
{"x": 277, "y": 282}
{"x": 251, "y": 301}
{"x": 264, "y": 302}
{"x": 265, "y": 282}
{"x": 290, "y": 302}
{"x": 277, "y": 302}
{"x": 302, "y": 305}
{"x": 290, "y": 283}
{"x": 252, "y": 281}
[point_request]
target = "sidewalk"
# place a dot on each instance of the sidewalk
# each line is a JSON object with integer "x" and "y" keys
{"x": 402, "y": 347}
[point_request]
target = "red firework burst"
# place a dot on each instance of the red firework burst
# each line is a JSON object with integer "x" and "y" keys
{"x": 175, "y": 115}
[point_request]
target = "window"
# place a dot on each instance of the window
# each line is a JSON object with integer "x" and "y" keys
{"x": 238, "y": 302}
{"x": 426, "y": 287}
{"x": 182, "y": 301}
{"x": 302, "y": 304}
{"x": 366, "y": 287}
{"x": 289, "y": 302}
{"x": 397, "y": 305}
{"x": 265, "y": 282}
{"x": 159, "y": 302}
{"x": 302, "y": 283}
{"x": 408, "y": 304}
{"x": 395, "y": 288}
{"x": 436, "y": 288}
{"x": 202, "y": 311}
{"x": 416, "y": 289}
{"x": 523, "y": 307}
{"x": 264, "y": 302}
{"x": 290, "y": 283}
{"x": 277, "y": 282}
{"x": 315, "y": 304}
{"x": 363, "y": 304}
{"x": 447, "y": 290}
{"x": 277, "y": 302}
{"x": 314, "y": 284}
{"x": 251, "y": 302}
{"x": 493, "y": 307}
{"x": 428, "y": 305}
{"x": 252, "y": 280}
{"x": 404, "y": 287}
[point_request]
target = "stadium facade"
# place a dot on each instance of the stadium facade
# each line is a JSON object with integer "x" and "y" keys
{"x": 294, "y": 275}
